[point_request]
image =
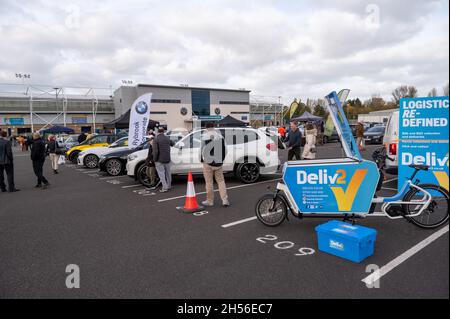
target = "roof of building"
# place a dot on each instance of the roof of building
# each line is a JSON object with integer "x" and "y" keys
{"x": 381, "y": 112}
{"x": 191, "y": 88}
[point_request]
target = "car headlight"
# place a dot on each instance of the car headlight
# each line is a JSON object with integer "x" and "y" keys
{"x": 132, "y": 157}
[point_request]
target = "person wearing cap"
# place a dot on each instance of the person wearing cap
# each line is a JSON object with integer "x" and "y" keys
{"x": 213, "y": 153}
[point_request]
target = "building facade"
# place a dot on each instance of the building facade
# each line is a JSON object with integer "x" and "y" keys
{"x": 22, "y": 115}
{"x": 34, "y": 108}
{"x": 377, "y": 116}
{"x": 179, "y": 106}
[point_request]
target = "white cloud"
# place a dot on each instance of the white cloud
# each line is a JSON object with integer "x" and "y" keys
{"x": 289, "y": 48}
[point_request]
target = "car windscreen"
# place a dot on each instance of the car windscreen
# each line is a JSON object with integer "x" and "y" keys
{"x": 376, "y": 129}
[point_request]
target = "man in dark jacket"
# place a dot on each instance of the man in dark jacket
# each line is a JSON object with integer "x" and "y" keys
{"x": 213, "y": 154}
{"x": 6, "y": 164}
{"x": 294, "y": 142}
{"x": 38, "y": 152}
{"x": 161, "y": 157}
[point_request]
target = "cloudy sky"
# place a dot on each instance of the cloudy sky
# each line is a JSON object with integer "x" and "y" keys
{"x": 288, "y": 48}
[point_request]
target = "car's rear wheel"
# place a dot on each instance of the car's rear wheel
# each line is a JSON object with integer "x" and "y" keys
{"x": 91, "y": 161}
{"x": 114, "y": 167}
{"x": 248, "y": 173}
{"x": 73, "y": 157}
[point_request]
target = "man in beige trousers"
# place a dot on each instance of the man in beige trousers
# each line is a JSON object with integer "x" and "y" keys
{"x": 213, "y": 154}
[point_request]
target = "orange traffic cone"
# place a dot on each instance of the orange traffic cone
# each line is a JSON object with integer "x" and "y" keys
{"x": 190, "y": 206}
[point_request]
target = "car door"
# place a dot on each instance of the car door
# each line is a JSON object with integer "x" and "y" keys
{"x": 186, "y": 154}
{"x": 99, "y": 141}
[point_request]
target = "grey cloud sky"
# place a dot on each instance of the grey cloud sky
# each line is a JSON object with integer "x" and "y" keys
{"x": 290, "y": 48}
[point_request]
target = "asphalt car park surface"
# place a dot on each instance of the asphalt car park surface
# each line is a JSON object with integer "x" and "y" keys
{"x": 133, "y": 243}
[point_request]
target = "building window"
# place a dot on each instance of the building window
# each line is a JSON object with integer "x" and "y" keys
{"x": 157, "y": 112}
{"x": 201, "y": 103}
{"x": 233, "y": 103}
{"x": 166, "y": 101}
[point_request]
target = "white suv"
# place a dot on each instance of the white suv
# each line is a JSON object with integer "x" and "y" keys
{"x": 250, "y": 154}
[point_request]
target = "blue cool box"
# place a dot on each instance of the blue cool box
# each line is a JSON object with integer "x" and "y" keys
{"x": 351, "y": 242}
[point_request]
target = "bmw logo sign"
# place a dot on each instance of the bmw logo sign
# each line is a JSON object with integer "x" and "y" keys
{"x": 141, "y": 107}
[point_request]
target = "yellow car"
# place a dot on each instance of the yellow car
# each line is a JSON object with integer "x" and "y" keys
{"x": 95, "y": 141}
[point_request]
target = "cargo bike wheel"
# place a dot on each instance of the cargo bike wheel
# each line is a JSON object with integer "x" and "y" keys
{"x": 436, "y": 214}
{"x": 271, "y": 210}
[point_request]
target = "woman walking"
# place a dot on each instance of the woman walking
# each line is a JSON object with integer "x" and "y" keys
{"x": 53, "y": 151}
{"x": 38, "y": 157}
{"x": 309, "y": 151}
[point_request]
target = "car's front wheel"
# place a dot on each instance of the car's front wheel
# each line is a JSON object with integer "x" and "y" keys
{"x": 248, "y": 173}
{"x": 114, "y": 167}
{"x": 91, "y": 161}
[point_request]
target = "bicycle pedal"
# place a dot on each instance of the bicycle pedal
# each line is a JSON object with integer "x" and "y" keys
{"x": 395, "y": 211}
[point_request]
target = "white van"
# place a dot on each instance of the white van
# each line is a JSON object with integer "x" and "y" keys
{"x": 390, "y": 142}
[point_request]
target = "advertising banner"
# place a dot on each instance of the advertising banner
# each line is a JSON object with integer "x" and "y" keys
{"x": 423, "y": 139}
{"x": 13, "y": 121}
{"x": 139, "y": 118}
{"x": 337, "y": 114}
{"x": 332, "y": 186}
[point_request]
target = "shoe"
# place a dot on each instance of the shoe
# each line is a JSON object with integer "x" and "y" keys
{"x": 14, "y": 190}
{"x": 38, "y": 186}
{"x": 226, "y": 203}
{"x": 207, "y": 204}
{"x": 45, "y": 186}
{"x": 162, "y": 190}
{"x": 55, "y": 172}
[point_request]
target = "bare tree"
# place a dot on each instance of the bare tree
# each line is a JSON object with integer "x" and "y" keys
{"x": 446, "y": 90}
{"x": 404, "y": 91}
{"x": 433, "y": 93}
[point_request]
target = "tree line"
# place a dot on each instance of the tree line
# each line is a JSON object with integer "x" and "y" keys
{"x": 354, "y": 107}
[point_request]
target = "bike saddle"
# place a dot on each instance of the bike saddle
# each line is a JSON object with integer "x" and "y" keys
{"x": 420, "y": 167}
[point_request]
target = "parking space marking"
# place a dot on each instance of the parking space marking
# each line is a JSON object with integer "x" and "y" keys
{"x": 239, "y": 222}
{"x": 376, "y": 276}
{"x": 132, "y": 186}
{"x": 112, "y": 177}
{"x": 216, "y": 190}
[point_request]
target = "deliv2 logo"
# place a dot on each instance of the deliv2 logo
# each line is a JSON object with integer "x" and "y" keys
{"x": 344, "y": 199}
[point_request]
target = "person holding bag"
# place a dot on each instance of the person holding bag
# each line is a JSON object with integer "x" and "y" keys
{"x": 54, "y": 152}
{"x": 309, "y": 151}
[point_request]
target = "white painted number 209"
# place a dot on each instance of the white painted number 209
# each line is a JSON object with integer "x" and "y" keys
{"x": 266, "y": 238}
{"x": 284, "y": 245}
{"x": 305, "y": 251}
